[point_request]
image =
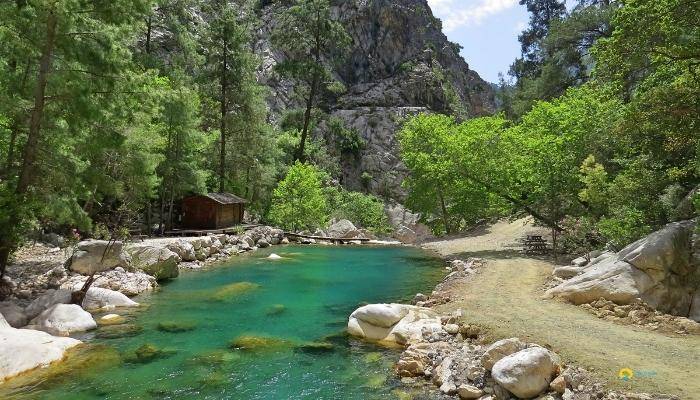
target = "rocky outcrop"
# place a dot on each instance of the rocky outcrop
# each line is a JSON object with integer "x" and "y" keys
{"x": 30, "y": 349}
{"x": 118, "y": 279}
{"x": 63, "y": 320}
{"x": 407, "y": 225}
{"x": 343, "y": 229}
{"x": 159, "y": 262}
{"x": 396, "y": 323}
{"x": 399, "y": 64}
{"x": 662, "y": 270}
{"x": 96, "y": 256}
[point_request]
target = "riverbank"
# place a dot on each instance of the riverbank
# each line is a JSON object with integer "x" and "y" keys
{"x": 43, "y": 279}
{"x": 502, "y": 298}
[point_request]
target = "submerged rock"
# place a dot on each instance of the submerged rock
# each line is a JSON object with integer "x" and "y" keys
{"x": 118, "y": 331}
{"x": 258, "y": 343}
{"x": 147, "y": 353}
{"x": 111, "y": 319}
{"x": 233, "y": 290}
{"x": 177, "y": 326}
{"x": 316, "y": 347}
{"x": 276, "y": 309}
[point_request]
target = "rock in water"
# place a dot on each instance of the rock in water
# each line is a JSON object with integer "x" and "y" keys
{"x": 64, "y": 319}
{"x": 158, "y": 262}
{"x": 394, "y": 323}
{"x": 97, "y": 256}
{"x": 526, "y": 373}
{"x": 29, "y": 349}
{"x": 274, "y": 256}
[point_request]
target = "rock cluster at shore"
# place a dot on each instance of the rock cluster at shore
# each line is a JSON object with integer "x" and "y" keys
{"x": 443, "y": 352}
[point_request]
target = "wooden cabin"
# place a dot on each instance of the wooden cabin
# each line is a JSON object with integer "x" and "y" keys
{"x": 212, "y": 211}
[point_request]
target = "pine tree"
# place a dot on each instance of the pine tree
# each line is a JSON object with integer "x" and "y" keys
{"x": 309, "y": 35}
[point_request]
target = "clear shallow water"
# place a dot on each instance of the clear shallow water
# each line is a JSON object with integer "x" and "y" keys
{"x": 304, "y": 298}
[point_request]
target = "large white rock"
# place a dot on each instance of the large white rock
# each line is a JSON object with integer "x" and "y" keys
{"x": 343, "y": 229}
{"x": 500, "y": 349}
{"x": 96, "y": 256}
{"x": 50, "y": 298}
{"x": 63, "y": 320}
{"x": 3, "y": 323}
{"x": 567, "y": 272}
{"x": 156, "y": 261}
{"x": 662, "y": 269}
{"x": 397, "y": 323}
{"x": 14, "y": 314}
{"x": 98, "y": 298}
{"x": 526, "y": 373}
{"x": 23, "y": 350}
{"x": 383, "y": 315}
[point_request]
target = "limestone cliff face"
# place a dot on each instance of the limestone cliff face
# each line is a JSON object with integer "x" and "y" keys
{"x": 399, "y": 64}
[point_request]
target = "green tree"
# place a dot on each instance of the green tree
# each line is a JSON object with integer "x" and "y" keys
{"x": 65, "y": 67}
{"x": 309, "y": 36}
{"x": 299, "y": 202}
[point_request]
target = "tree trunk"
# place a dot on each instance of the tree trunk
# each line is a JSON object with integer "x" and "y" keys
{"x": 224, "y": 113}
{"x": 31, "y": 150}
{"x": 9, "y": 162}
{"x": 445, "y": 217}
{"x": 300, "y": 156}
{"x": 149, "y": 29}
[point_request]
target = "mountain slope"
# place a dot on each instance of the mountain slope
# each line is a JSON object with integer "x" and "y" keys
{"x": 399, "y": 64}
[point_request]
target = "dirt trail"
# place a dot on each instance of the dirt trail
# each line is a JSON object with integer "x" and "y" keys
{"x": 505, "y": 298}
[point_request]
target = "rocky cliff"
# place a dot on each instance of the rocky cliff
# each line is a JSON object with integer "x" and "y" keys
{"x": 399, "y": 64}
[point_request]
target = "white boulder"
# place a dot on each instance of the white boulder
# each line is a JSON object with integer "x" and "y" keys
{"x": 184, "y": 249}
{"x": 99, "y": 298}
{"x": 50, "y": 298}
{"x": 662, "y": 269}
{"x": 63, "y": 320}
{"x": 526, "y": 373}
{"x": 397, "y": 323}
{"x": 30, "y": 349}
{"x": 97, "y": 255}
{"x": 158, "y": 262}
{"x": 499, "y": 350}
{"x": 343, "y": 229}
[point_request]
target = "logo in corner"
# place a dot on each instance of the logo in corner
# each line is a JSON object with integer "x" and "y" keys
{"x": 625, "y": 374}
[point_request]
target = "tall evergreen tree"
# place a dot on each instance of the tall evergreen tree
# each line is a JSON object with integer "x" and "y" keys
{"x": 68, "y": 61}
{"x": 309, "y": 35}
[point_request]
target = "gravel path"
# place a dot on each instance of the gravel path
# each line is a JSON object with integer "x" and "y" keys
{"x": 505, "y": 298}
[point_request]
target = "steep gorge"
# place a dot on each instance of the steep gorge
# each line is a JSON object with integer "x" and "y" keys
{"x": 399, "y": 63}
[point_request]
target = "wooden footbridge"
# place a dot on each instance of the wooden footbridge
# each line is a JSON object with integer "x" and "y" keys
{"x": 326, "y": 239}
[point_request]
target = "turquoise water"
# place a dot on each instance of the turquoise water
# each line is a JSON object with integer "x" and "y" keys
{"x": 297, "y": 306}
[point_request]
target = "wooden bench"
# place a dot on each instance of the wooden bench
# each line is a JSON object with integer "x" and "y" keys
{"x": 535, "y": 244}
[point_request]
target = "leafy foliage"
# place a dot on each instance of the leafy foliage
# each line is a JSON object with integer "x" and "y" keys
{"x": 299, "y": 202}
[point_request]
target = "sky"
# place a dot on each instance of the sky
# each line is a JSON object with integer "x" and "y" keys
{"x": 487, "y": 29}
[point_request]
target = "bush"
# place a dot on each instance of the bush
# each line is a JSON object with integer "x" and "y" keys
{"x": 365, "y": 211}
{"x": 624, "y": 227}
{"x": 299, "y": 201}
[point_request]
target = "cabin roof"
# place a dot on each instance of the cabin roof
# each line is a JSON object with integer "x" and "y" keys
{"x": 224, "y": 198}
